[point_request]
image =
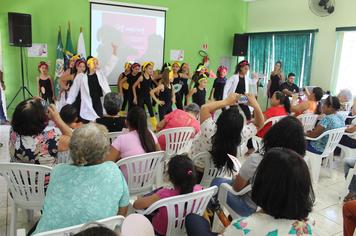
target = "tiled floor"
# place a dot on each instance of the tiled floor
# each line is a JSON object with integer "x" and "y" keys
{"x": 327, "y": 212}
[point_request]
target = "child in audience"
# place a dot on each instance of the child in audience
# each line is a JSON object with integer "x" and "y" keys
{"x": 123, "y": 88}
{"x": 45, "y": 83}
{"x": 166, "y": 96}
{"x": 181, "y": 172}
{"x": 198, "y": 94}
{"x": 280, "y": 106}
{"x": 331, "y": 121}
{"x": 145, "y": 85}
{"x": 131, "y": 80}
{"x": 70, "y": 116}
{"x": 217, "y": 91}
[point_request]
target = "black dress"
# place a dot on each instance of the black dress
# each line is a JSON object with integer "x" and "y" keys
{"x": 166, "y": 96}
{"x": 46, "y": 90}
{"x": 131, "y": 80}
{"x": 96, "y": 93}
{"x": 144, "y": 97}
{"x": 219, "y": 85}
{"x": 179, "y": 95}
{"x": 199, "y": 97}
{"x": 275, "y": 86}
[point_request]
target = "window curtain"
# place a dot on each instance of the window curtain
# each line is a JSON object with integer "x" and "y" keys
{"x": 260, "y": 53}
{"x": 295, "y": 51}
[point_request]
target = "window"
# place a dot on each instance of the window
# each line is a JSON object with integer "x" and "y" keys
{"x": 344, "y": 66}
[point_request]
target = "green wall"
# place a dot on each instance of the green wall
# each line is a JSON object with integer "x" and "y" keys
{"x": 190, "y": 23}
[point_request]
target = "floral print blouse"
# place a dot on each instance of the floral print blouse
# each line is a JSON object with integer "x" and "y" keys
{"x": 41, "y": 149}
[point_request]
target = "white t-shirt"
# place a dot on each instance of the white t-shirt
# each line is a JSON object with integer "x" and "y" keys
{"x": 202, "y": 141}
{"x": 262, "y": 224}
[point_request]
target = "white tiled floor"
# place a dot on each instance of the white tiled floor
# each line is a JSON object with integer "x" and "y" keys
{"x": 327, "y": 212}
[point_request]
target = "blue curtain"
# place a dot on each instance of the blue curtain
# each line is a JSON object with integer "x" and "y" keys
{"x": 260, "y": 53}
{"x": 295, "y": 51}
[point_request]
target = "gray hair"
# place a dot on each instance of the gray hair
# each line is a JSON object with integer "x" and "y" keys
{"x": 112, "y": 103}
{"x": 192, "y": 108}
{"x": 89, "y": 144}
{"x": 346, "y": 93}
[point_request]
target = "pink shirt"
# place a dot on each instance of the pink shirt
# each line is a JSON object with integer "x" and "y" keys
{"x": 160, "y": 220}
{"x": 175, "y": 119}
{"x": 128, "y": 145}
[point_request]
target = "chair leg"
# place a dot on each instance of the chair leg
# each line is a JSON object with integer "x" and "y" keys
{"x": 330, "y": 161}
{"x": 30, "y": 214}
{"x": 13, "y": 219}
{"x": 315, "y": 164}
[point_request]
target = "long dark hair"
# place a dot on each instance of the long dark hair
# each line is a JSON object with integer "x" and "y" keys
{"x": 182, "y": 174}
{"x": 318, "y": 94}
{"x": 283, "y": 100}
{"x": 240, "y": 65}
{"x": 165, "y": 77}
{"x": 137, "y": 120}
{"x": 282, "y": 185}
{"x": 227, "y": 137}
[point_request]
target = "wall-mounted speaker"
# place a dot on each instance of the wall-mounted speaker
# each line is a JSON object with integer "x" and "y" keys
{"x": 240, "y": 46}
{"x": 20, "y": 32}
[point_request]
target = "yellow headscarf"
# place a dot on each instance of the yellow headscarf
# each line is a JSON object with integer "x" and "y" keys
{"x": 147, "y": 63}
{"x": 90, "y": 62}
{"x": 176, "y": 62}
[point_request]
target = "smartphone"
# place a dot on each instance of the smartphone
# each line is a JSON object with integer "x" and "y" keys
{"x": 242, "y": 100}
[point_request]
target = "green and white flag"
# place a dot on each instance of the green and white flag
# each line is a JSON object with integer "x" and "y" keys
{"x": 81, "y": 46}
{"x": 59, "y": 62}
{"x": 68, "y": 51}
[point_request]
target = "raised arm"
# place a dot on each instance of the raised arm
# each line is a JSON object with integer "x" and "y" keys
{"x": 190, "y": 94}
{"x": 121, "y": 82}
{"x": 259, "y": 117}
{"x": 153, "y": 94}
{"x": 112, "y": 61}
{"x": 54, "y": 115}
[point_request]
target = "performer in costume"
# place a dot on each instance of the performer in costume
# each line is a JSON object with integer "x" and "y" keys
{"x": 92, "y": 86}
{"x": 131, "y": 80}
{"x": 123, "y": 89}
{"x": 217, "y": 90}
{"x": 201, "y": 69}
{"x": 177, "y": 80}
{"x": 166, "y": 97}
{"x": 198, "y": 94}
{"x": 45, "y": 83}
{"x": 184, "y": 74}
{"x": 145, "y": 85}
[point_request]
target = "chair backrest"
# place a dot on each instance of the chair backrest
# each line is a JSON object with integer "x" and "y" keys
{"x": 26, "y": 183}
{"x": 308, "y": 120}
{"x": 210, "y": 171}
{"x": 273, "y": 120}
{"x": 113, "y": 135}
{"x": 334, "y": 137}
{"x": 141, "y": 171}
{"x": 178, "y": 140}
{"x": 4, "y": 143}
{"x": 179, "y": 207}
{"x": 113, "y": 223}
{"x": 235, "y": 161}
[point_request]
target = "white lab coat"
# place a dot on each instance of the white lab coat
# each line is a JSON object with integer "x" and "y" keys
{"x": 231, "y": 85}
{"x": 80, "y": 83}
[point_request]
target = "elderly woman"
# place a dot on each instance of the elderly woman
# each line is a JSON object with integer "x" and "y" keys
{"x": 87, "y": 190}
{"x": 179, "y": 118}
{"x": 32, "y": 139}
{"x": 112, "y": 121}
{"x": 345, "y": 97}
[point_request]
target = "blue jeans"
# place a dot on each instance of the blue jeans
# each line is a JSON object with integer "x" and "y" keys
{"x": 237, "y": 203}
{"x": 197, "y": 225}
{"x": 350, "y": 163}
{"x": 2, "y": 113}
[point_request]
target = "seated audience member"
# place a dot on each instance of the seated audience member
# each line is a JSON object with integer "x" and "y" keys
{"x": 283, "y": 189}
{"x": 279, "y": 135}
{"x": 70, "y": 116}
{"x": 179, "y": 118}
{"x": 331, "y": 120}
{"x": 280, "y": 106}
{"x": 224, "y": 136}
{"x": 289, "y": 87}
{"x": 182, "y": 175}
{"x": 345, "y": 98}
{"x": 112, "y": 120}
{"x": 308, "y": 106}
{"x": 90, "y": 189}
{"x": 138, "y": 140}
{"x": 349, "y": 216}
{"x": 98, "y": 230}
{"x": 32, "y": 140}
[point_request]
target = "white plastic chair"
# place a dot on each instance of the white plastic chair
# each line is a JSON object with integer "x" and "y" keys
{"x": 142, "y": 171}
{"x": 26, "y": 185}
{"x": 334, "y": 137}
{"x": 210, "y": 171}
{"x": 308, "y": 121}
{"x": 114, "y": 223}
{"x": 113, "y": 135}
{"x": 224, "y": 190}
{"x": 4, "y": 143}
{"x": 178, "y": 207}
{"x": 272, "y": 120}
{"x": 343, "y": 114}
{"x": 178, "y": 140}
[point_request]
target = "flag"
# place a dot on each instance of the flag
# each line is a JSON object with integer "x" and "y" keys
{"x": 81, "y": 46}
{"x": 59, "y": 62}
{"x": 68, "y": 51}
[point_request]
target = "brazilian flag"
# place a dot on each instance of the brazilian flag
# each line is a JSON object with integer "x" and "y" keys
{"x": 59, "y": 62}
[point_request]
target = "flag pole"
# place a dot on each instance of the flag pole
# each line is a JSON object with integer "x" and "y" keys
{"x": 81, "y": 29}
